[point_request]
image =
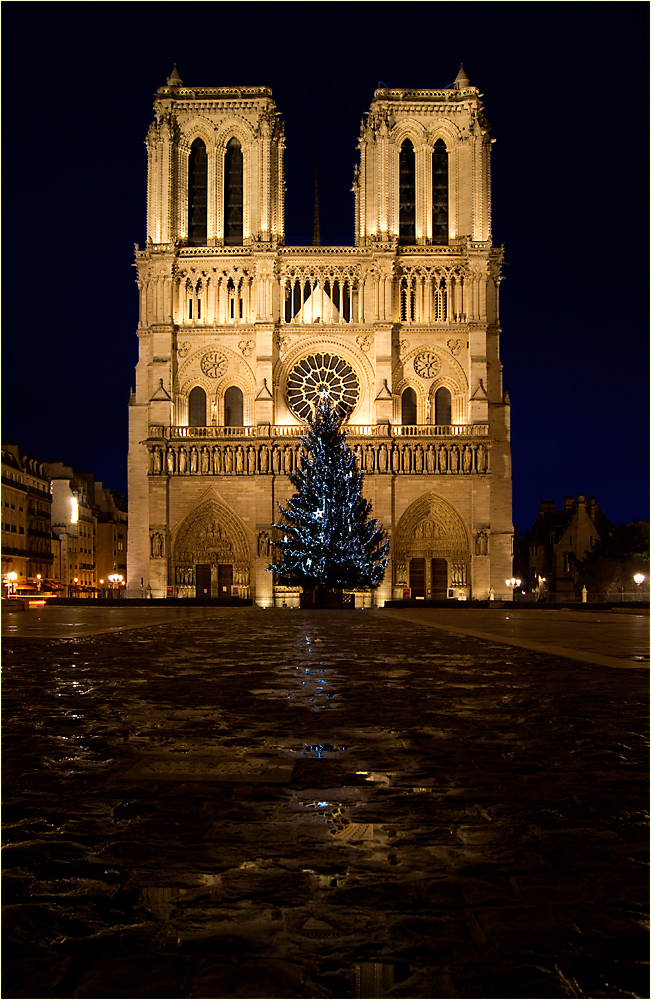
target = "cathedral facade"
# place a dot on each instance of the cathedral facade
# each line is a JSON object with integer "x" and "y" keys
{"x": 239, "y": 333}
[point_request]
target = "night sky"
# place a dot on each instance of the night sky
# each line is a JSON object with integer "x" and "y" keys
{"x": 565, "y": 88}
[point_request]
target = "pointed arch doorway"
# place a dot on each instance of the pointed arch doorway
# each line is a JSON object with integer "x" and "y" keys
{"x": 211, "y": 553}
{"x": 432, "y": 548}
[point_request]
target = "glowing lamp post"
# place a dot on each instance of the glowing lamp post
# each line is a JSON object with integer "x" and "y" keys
{"x": 12, "y": 577}
{"x": 39, "y": 581}
{"x": 513, "y": 583}
{"x": 116, "y": 580}
{"x": 639, "y": 579}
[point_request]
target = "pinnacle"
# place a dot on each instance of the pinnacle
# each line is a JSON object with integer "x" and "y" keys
{"x": 462, "y": 80}
{"x": 174, "y": 80}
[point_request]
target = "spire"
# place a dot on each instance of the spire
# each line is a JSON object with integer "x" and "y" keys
{"x": 462, "y": 80}
{"x": 316, "y": 229}
{"x": 174, "y": 80}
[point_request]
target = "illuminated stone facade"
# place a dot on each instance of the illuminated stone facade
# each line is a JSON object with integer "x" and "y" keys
{"x": 238, "y": 331}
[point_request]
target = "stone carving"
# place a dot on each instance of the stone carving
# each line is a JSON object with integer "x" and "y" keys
{"x": 427, "y": 364}
{"x": 365, "y": 342}
{"x": 156, "y": 544}
{"x": 282, "y": 343}
{"x": 214, "y": 364}
{"x": 481, "y": 543}
{"x": 246, "y": 347}
{"x": 455, "y": 346}
{"x": 400, "y": 457}
{"x": 184, "y": 348}
{"x": 264, "y": 544}
{"x": 184, "y": 576}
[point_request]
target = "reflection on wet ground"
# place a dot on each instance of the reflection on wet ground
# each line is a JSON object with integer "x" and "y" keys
{"x": 320, "y": 804}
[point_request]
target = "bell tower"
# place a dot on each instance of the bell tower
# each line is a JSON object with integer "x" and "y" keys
{"x": 215, "y": 167}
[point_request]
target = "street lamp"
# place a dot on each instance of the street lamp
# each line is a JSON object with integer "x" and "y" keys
{"x": 12, "y": 577}
{"x": 639, "y": 578}
{"x": 38, "y": 582}
{"x": 512, "y": 584}
{"x": 115, "y": 579}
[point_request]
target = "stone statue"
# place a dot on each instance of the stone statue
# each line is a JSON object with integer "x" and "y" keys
{"x": 406, "y": 459}
{"x": 467, "y": 459}
{"x": 217, "y": 460}
{"x": 205, "y": 460}
{"x": 481, "y": 459}
{"x": 287, "y": 460}
{"x": 250, "y": 461}
{"x": 264, "y": 459}
{"x": 418, "y": 459}
{"x": 431, "y": 459}
{"x": 157, "y": 545}
{"x": 358, "y": 457}
{"x": 454, "y": 458}
{"x": 194, "y": 459}
{"x": 263, "y": 543}
{"x": 370, "y": 459}
{"x": 383, "y": 458}
{"x": 171, "y": 460}
{"x": 481, "y": 543}
{"x": 443, "y": 460}
{"x": 183, "y": 460}
{"x": 275, "y": 460}
{"x": 239, "y": 460}
{"x": 158, "y": 460}
{"x": 395, "y": 460}
{"x": 228, "y": 460}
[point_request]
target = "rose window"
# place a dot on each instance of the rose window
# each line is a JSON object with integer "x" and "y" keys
{"x": 318, "y": 375}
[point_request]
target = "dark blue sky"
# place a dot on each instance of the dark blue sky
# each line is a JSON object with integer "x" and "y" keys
{"x": 566, "y": 91}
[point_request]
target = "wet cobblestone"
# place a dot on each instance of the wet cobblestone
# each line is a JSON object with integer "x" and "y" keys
{"x": 320, "y": 804}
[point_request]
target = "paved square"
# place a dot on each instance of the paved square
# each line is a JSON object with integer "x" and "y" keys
{"x": 241, "y": 802}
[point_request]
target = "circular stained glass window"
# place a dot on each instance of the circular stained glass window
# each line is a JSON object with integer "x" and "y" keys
{"x": 322, "y": 373}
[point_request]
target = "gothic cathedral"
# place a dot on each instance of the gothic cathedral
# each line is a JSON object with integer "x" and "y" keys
{"x": 238, "y": 333}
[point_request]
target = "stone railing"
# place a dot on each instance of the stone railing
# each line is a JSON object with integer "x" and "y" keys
{"x": 295, "y": 431}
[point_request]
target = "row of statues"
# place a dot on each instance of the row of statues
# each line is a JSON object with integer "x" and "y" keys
{"x": 283, "y": 459}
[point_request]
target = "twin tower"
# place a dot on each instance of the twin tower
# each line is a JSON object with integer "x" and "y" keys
{"x": 238, "y": 334}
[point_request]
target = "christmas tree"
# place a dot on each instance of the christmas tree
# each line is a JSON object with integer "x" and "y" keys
{"x": 329, "y": 541}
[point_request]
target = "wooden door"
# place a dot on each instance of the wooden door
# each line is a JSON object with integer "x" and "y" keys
{"x": 224, "y": 579}
{"x": 203, "y": 580}
{"x": 417, "y": 577}
{"x": 439, "y": 579}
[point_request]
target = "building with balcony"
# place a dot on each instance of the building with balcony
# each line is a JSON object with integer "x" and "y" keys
{"x": 26, "y": 520}
{"x": 238, "y": 333}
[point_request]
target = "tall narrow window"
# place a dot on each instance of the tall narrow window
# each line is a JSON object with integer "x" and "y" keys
{"x": 197, "y": 407}
{"x": 233, "y": 407}
{"x": 198, "y": 194}
{"x": 443, "y": 407}
{"x": 407, "y": 222}
{"x": 439, "y": 193}
{"x": 233, "y": 194}
{"x": 409, "y": 406}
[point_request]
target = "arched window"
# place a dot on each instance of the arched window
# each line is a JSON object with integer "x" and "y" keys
{"x": 233, "y": 194}
{"x": 198, "y": 194}
{"x": 197, "y": 407}
{"x": 233, "y": 407}
{"x": 407, "y": 222}
{"x": 443, "y": 407}
{"x": 439, "y": 193}
{"x": 409, "y": 410}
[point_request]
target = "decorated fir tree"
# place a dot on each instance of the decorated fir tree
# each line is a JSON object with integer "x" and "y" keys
{"x": 329, "y": 540}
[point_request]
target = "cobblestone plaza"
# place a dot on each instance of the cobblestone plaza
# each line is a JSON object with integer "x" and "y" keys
{"x": 279, "y": 803}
